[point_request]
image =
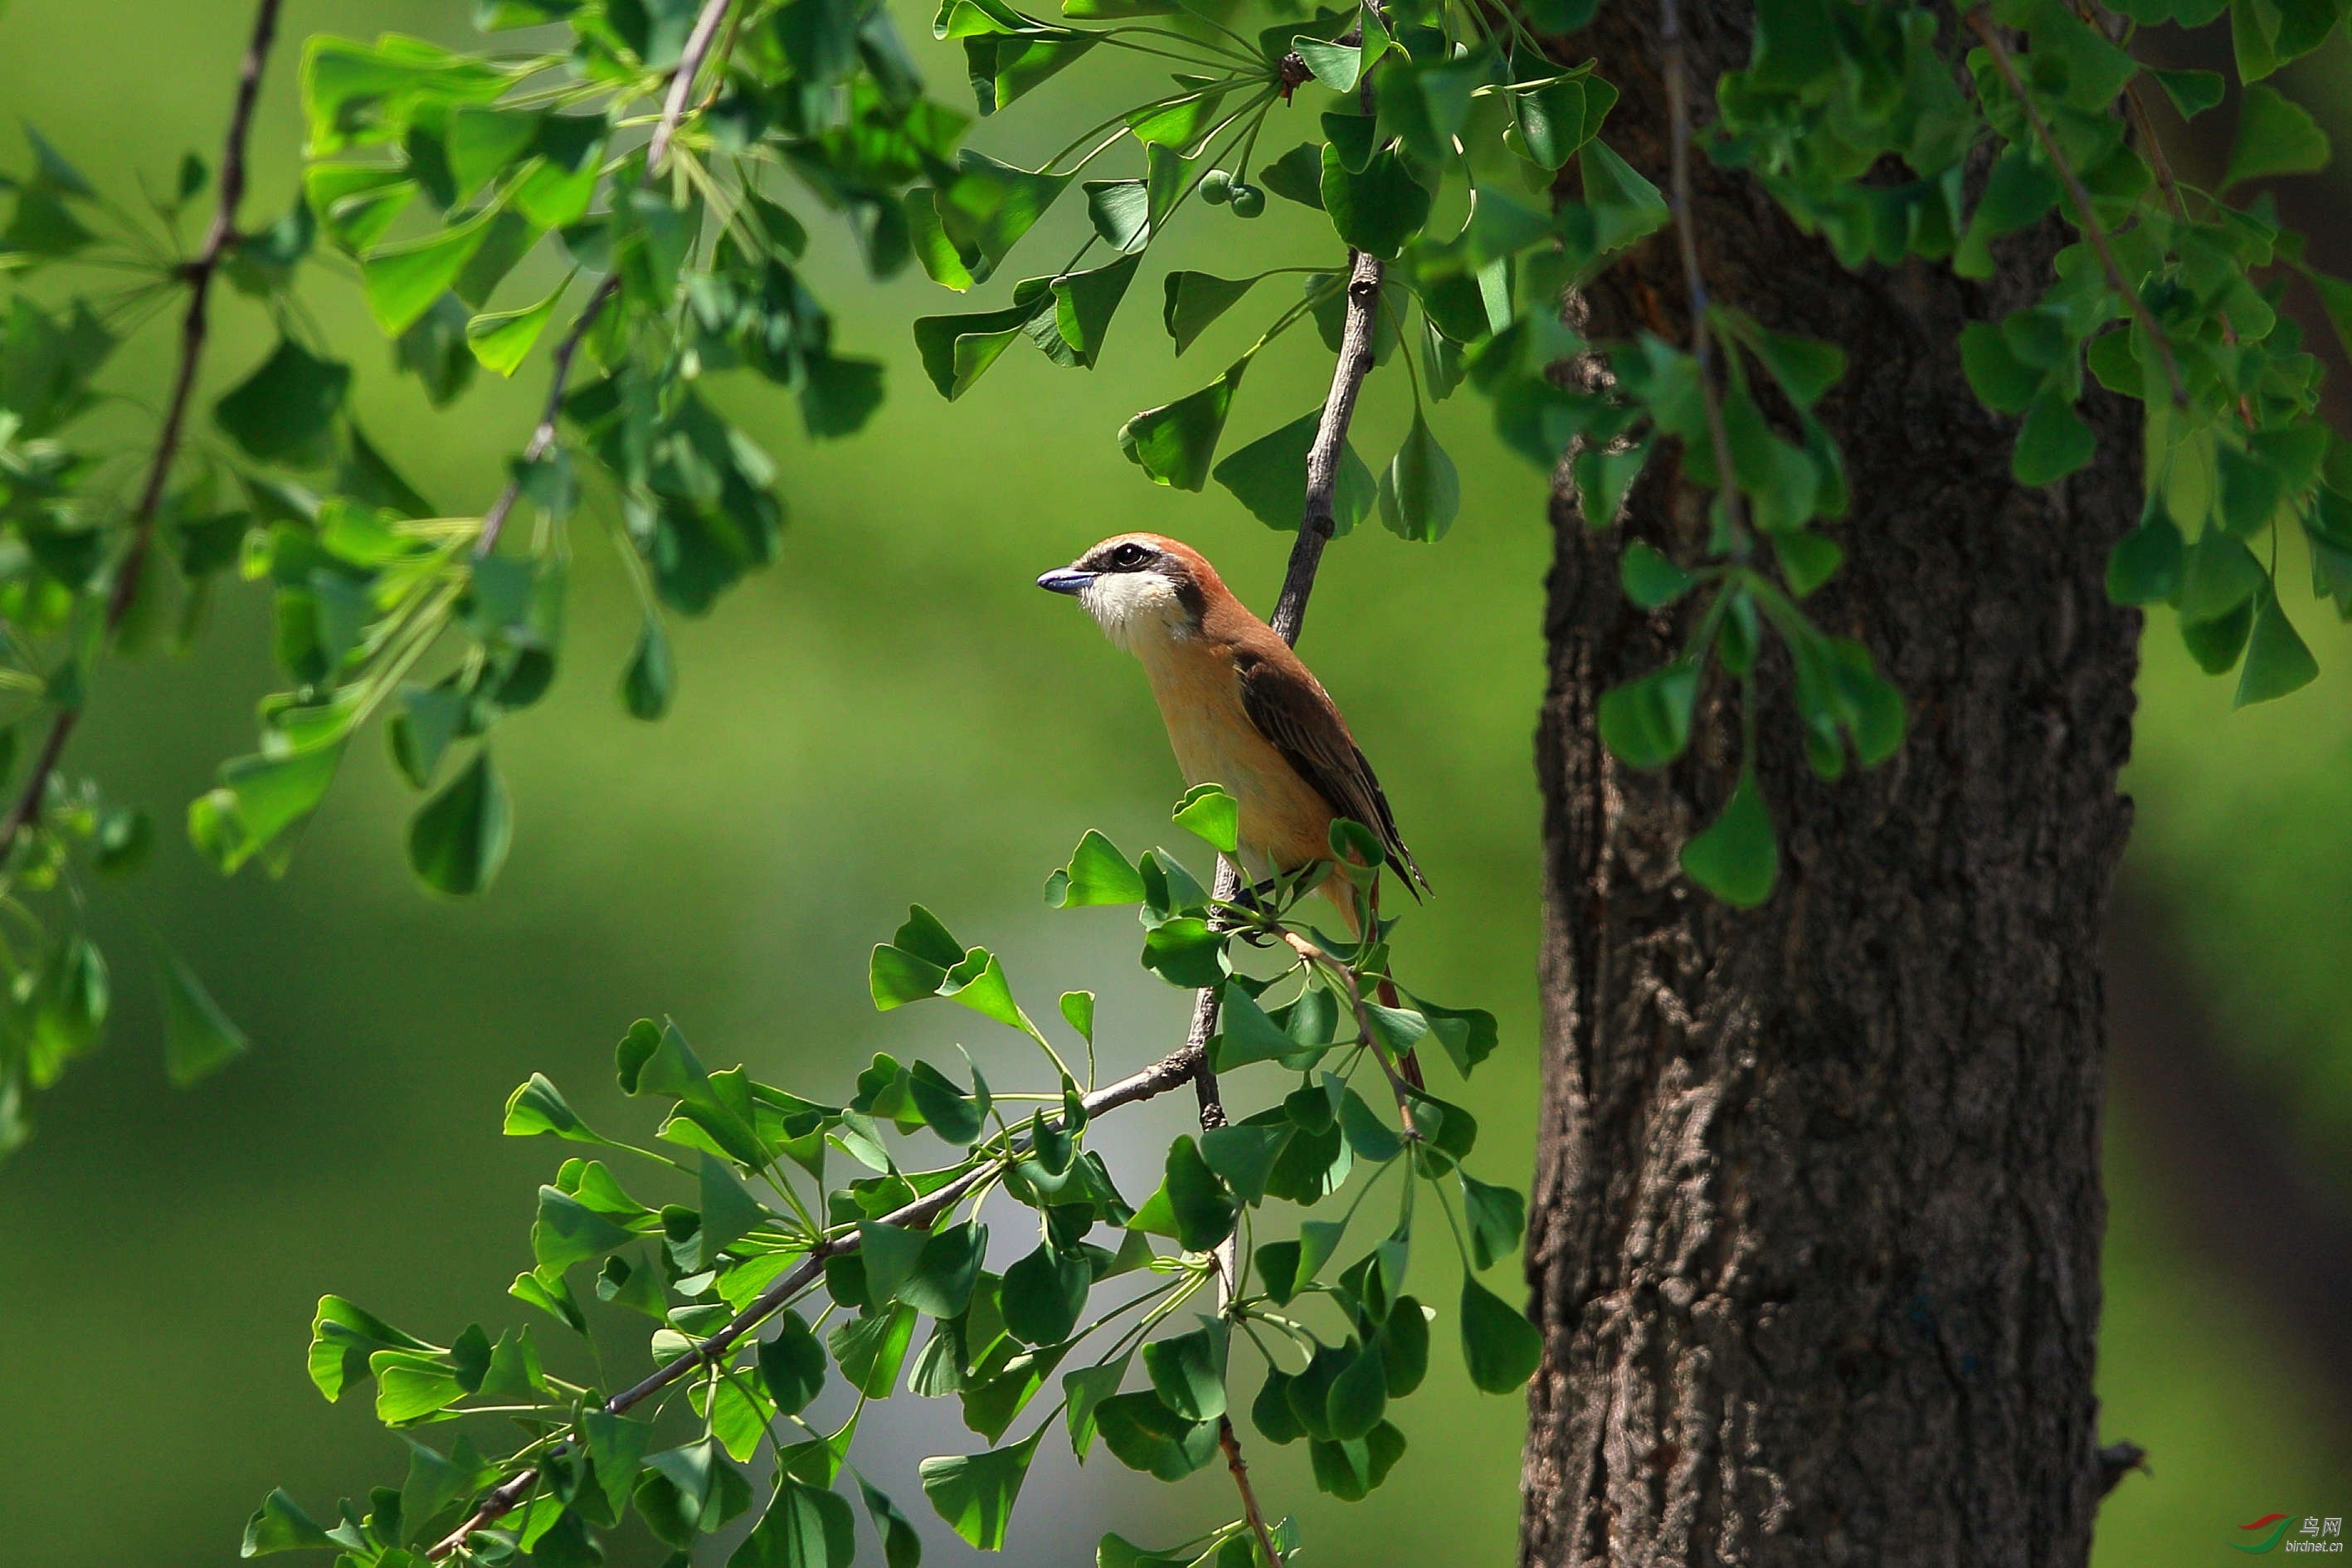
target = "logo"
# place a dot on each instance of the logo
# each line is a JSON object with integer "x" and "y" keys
{"x": 2272, "y": 1525}
{"x": 2272, "y": 1533}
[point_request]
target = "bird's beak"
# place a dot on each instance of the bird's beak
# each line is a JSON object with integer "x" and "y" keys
{"x": 1065, "y": 580}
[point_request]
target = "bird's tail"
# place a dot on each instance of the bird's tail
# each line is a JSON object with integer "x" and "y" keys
{"x": 1407, "y": 870}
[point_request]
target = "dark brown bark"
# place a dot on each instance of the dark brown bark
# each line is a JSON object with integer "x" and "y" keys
{"x": 1815, "y": 1241}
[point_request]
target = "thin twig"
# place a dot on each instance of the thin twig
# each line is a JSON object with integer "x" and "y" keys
{"x": 2171, "y": 186}
{"x": 1167, "y": 1073}
{"x": 2157, "y": 160}
{"x": 1677, "y": 68}
{"x": 681, "y": 81}
{"x": 2086, "y": 218}
{"x": 1250, "y": 1510}
{"x": 719, "y": 74}
{"x": 1318, "y": 524}
{"x": 198, "y": 276}
{"x": 542, "y": 435}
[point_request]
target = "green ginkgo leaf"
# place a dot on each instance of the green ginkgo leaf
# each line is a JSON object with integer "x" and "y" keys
{"x": 1737, "y": 857}
{"x": 502, "y": 339}
{"x": 1420, "y": 493}
{"x": 2276, "y": 136}
{"x": 1269, "y": 477}
{"x": 458, "y": 839}
{"x": 199, "y": 1039}
{"x": 1173, "y": 444}
{"x": 975, "y": 1492}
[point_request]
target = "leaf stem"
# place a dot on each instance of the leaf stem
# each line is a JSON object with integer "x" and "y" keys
{"x": 1221, "y": 56}
{"x": 1245, "y": 53}
{"x": 1120, "y": 118}
{"x": 1027, "y": 1027}
{"x": 1413, "y": 376}
{"x": 1281, "y": 324}
{"x": 1314, "y": 954}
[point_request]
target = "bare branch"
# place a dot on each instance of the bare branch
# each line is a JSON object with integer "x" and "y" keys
{"x": 1250, "y": 1510}
{"x": 1317, "y": 525}
{"x": 198, "y": 276}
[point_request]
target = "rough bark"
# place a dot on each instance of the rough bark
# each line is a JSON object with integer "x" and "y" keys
{"x": 1815, "y": 1241}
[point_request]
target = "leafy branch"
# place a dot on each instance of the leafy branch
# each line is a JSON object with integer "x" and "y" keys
{"x": 889, "y": 1249}
{"x": 1316, "y": 526}
{"x": 197, "y": 275}
{"x": 2087, "y": 215}
{"x": 1171, "y": 1072}
{"x": 682, "y": 76}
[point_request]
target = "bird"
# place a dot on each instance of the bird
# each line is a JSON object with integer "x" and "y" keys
{"x": 1242, "y": 710}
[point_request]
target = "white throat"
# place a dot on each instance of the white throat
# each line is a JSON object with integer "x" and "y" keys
{"x": 1136, "y": 610}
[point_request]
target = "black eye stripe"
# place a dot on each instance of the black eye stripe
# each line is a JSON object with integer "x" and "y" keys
{"x": 1127, "y": 557}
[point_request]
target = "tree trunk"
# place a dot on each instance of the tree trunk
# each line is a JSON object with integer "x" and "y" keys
{"x": 1817, "y": 1216}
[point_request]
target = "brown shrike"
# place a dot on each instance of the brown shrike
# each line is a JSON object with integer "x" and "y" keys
{"x": 1241, "y": 711}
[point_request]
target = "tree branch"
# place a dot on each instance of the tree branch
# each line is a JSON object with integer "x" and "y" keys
{"x": 1250, "y": 1510}
{"x": 542, "y": 435}
{"x": 1316, "y": 523}
{"x": 2165, "y": 182}
{"x": 1316, "y": 526}
{"x": 1178, "y": 1067}
{"x": 198, "y": 275}
{"x": 1678, "y": 71}
{"x": 2086, "y": 219}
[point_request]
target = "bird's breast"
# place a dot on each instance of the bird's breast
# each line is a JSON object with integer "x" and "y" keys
{"x": 1285, "y": 821}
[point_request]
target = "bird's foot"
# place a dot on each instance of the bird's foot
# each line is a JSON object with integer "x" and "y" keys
{"x": 1257, "y": 899}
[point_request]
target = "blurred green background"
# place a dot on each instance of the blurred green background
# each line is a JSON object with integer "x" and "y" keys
{"x": 892, "y": 713}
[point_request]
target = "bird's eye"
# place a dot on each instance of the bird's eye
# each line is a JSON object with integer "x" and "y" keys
{"x": 1129, "y": 556}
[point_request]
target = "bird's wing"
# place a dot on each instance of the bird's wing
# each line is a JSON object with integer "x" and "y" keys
{"x": 1298, "y": 721}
